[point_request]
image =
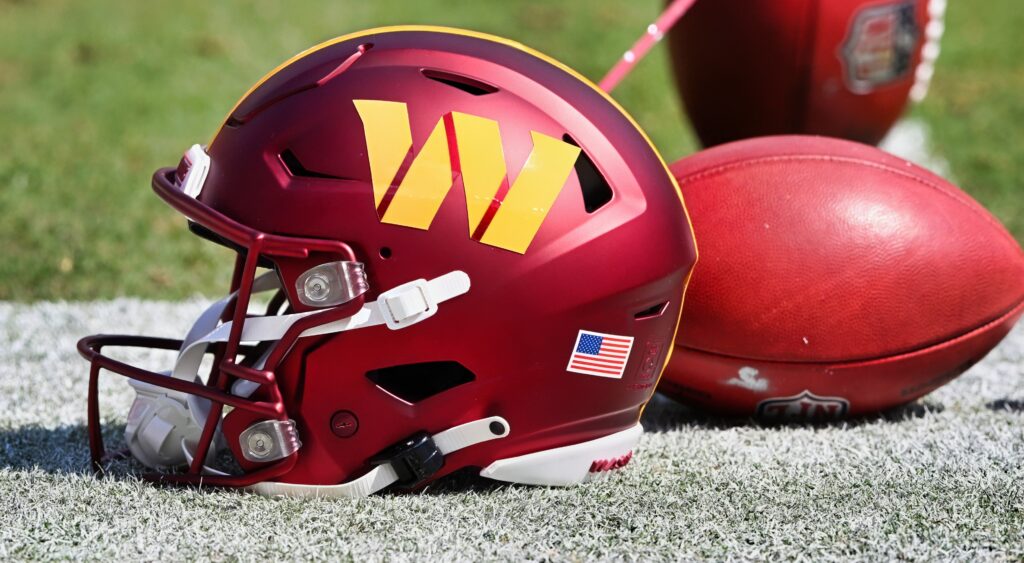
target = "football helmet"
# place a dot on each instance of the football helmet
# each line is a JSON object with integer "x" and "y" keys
{"x": 473, "y": 257}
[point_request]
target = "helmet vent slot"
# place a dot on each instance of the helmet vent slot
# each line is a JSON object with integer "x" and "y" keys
{"x": 295, "y": 168}
{"x": 596, "y": 191}
{"x": 651, "y": 312}
{"x": 464, "y": 83}
{"x": 413, "y": 383}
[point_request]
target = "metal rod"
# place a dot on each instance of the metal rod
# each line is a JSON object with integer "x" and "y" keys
{"x": 666, "y": 21}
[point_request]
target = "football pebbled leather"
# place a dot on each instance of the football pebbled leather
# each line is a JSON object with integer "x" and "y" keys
{"x": 833, "y": 269}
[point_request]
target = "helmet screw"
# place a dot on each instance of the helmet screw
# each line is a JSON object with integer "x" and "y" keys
{"x": 317, "y": 287}
{"x": 260, "y": 444}
{"x": 344, "y": 424}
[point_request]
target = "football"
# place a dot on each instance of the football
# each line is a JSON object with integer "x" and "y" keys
{"x": 843, "y": 68}
{"x": 834, "y": 279}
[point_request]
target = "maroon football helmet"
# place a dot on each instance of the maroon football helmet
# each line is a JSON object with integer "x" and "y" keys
{"x": 474, "y": 258}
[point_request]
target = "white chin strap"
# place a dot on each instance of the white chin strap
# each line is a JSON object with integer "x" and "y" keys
{"x": 163, "y": 424}
{"x": 397, "y": 308}
{"x": 451, "y": 440}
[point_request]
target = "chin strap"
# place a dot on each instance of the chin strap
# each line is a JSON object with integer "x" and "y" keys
{"x": 156, "y": 431}
{"x": 397, "y": 308}
{"x": 188, "y": 447}
{"x": 395, "y": 469}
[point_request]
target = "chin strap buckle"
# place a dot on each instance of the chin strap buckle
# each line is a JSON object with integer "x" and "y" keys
{"x": 417, "y": 300}
{"x": 406, "y": 304}
{"x": 414, "y": 459}
{"x": 407, "y": 463}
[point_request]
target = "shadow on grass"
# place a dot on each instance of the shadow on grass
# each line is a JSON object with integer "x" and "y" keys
{"x": 465, "y": 480}
{"x": 64, "y": 449}
{"x": 1011, "y": 405}
{"x": 663, "y": 415}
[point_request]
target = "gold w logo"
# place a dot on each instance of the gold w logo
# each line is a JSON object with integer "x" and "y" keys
{"x": 408, "y": 189}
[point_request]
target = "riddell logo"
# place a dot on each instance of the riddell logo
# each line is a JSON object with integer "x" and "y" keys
{"x": 804, "y": 406}
{"x": 600, "y": 465}
{"x": 408, "y": 188}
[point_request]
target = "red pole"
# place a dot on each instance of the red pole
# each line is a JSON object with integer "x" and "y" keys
{"x": 655, "y": 32}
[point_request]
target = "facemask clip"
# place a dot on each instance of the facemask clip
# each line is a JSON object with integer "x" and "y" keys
{"x": 330, "y": 284}
{"x": 269, "y": 440}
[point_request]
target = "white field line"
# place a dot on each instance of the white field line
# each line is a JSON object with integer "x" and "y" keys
{"x": 909, "y": 139}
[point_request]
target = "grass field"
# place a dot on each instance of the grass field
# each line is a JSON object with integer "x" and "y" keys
{"x": 940, "y": 480}
{"x": 96, "y": 95}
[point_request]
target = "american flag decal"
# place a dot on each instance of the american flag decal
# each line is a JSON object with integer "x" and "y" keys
{"x": 603, "y": 355}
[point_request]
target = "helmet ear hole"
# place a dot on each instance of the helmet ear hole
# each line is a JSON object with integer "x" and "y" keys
{"x": 384, "y": 252}
{"x": 413, "y": 383}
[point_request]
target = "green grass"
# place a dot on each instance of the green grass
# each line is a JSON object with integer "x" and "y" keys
{"x": 976, "y": 105}
{"x": 95, "y": 95}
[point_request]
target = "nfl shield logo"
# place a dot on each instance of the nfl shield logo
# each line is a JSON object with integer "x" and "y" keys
{"x": 879, "y": 48}
{"x": 801, "y": 407}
